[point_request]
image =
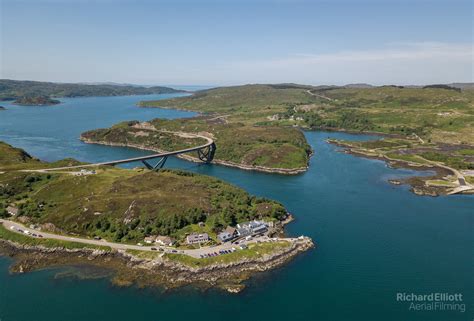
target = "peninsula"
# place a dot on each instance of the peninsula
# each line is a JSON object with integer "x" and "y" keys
{"x": 138, "y": 223}
{"x": 273, "y": 149}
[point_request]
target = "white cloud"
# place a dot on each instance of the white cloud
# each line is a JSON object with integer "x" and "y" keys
{"x": 395, "y": 63}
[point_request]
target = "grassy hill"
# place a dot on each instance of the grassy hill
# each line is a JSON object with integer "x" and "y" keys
{"x": 247, "y": 104}
{"x": 10, "y": 155}
{"x": 16, "y": 89}
{"x": 433, "y": 112}
{"x": 272, "y": 147}
{"x": 431, "y": 125}
{"x": 125, "y": 205}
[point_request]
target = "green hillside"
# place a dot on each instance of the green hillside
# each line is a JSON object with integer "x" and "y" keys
{"x": 16, "y": 89}
{"x": 272, "y": 147}
{"x": 433, "y": 112}
{"x": 125, "y": 205}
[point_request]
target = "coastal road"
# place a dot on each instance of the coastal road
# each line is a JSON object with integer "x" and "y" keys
{"x": 196, "y": 253}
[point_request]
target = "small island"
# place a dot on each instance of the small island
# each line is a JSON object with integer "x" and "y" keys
{"x": 2, "y": 108}
{"x": 138, "y": 223}
{"x": 36, "y": 101}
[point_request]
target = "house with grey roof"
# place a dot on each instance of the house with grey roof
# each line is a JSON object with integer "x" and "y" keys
{"x": 228, "y": 234}
{"x": 251, "y": 228}
{"x": 197, "y": 238}
{"x": 13, "y": 210}
{"x": 150, "y": 239}
{"x": 165, "y": 240}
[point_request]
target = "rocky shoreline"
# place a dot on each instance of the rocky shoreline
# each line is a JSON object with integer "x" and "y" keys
{"x": 284, "y": 171}
{"x": 128, "y": 269}
{"x": 416, "y": 183}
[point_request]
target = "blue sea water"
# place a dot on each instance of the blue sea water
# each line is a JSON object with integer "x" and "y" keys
{"x": 374, "y": 240}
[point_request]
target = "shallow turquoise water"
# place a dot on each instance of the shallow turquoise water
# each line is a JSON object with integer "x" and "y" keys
{"x": 374, "y": 239}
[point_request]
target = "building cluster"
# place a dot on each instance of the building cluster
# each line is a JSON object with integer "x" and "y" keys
{"x": 243, "y": 230}
{"x": 230, "y": 233}
{"x": 161, "y": 240}
{"x": 196, "y": 238}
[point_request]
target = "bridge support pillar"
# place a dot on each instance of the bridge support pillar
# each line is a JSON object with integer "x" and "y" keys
{"x": 207, "y": 154}
{"x": 159, "y": 165}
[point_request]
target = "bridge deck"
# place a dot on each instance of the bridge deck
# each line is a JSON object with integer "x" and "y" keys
{"x": 135, "y": 159}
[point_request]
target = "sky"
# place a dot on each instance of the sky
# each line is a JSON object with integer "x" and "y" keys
{"x": 229, "y": 42}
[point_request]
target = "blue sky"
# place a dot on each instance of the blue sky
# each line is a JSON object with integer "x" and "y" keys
{"x": 235, "y": 42}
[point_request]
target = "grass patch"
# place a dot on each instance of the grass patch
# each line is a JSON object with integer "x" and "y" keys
{"x": 407, "y": 158}
{"x": 50, "y": 243}
{"x": 144, "y": 254}
{"x": 440, "y": 182}
{"x": 466, "y": 152}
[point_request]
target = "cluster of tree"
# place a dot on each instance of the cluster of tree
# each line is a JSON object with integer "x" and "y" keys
{"x": 19, "y": 187}
{"x": 138, "y": 228}
{"x": 36, "y": 101}
{"x": 3, "y": 211}
{"x": 443, "y": 87}
{"x": 405, "y": 130}
{"x": 227, "y": 209}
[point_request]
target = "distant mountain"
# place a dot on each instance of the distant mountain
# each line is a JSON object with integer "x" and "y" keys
{"x": 361, "y": 85}
{"x": 15, "y": 89}
{"x": 462, "y": 85}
